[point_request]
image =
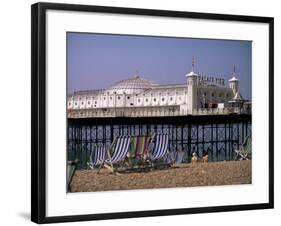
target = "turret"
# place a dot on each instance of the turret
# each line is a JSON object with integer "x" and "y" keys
{"x": 234, "y": 82}
{"x": 192, "y": 86}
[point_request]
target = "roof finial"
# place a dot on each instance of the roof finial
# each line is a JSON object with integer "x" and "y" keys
{"x": 234, "y": 69}
{"x": 137, "y": 74}
{"x": 193, "y": 62}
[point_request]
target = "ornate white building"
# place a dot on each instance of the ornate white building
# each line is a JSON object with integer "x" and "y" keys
{"x": 138, "y": 97}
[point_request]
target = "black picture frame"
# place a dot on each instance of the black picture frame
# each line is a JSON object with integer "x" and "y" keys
{"x": 38, "y": 111}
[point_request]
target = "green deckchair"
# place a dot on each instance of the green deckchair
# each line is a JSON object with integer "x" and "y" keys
{"x": 71, "y": 167}
{"x": 138, "y": 150}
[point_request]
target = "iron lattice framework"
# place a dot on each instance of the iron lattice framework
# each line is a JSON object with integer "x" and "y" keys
{"x": 215, "y": 134}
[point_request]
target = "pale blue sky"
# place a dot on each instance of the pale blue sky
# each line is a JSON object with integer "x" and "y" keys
{"x": 97, "y": 61}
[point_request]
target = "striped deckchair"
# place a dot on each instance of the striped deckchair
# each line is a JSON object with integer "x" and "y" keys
{"x": 245, "y": 150}
{"x": 97, "y": 156}
{"x": 179, "y": 157}
{"x": 171, "y": 157}
{"x": 174, "y": 157}
{"x": 160, "y": 148}
{"x": 117, "y": 152}
{"x": 139, "y": 148}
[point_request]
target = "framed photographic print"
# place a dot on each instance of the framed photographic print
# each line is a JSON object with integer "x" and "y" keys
{"x": 140, "y": 112}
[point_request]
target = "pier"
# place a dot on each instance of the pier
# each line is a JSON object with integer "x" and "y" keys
{"x": 217, "y": 134}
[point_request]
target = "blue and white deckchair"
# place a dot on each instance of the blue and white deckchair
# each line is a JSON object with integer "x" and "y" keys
{"x": 160, "y": 148}
{"x": 117, "y": 152}
{"x": 97, "y": 156}
{"x": 120, "y": 150}
{"x": 171, "y": 157}
{"x": 179, "y": 157}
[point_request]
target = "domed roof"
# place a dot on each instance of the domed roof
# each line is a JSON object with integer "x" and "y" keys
{"x": 133, "y": 85}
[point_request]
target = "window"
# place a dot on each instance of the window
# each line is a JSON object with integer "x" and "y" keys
{"x": 146, "y": 100}
{"x": 95, "y": 102}
{"x": 154, "y": 99}
{"x": 69, "y": 103}
{"x": 213, "y": 94}
{"x": 76, "y": 103}
{"x": 89, "y": 102}
{"x": 163, "y": 99}
{"x": 139, "y": 100}
{"x": 227, "y": 95}
{"x": 110, "y": 98}
{"x": 82, "y": 102}
{"x": 171, "y": 98}
{"x": 128, "y": 97}
{"x": 104, "y": 98}
{"x": 118, "y": 98}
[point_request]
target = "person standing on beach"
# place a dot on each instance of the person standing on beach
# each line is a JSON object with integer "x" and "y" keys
{"x": 205, "y": 157}
{"x": 194, "y": 158}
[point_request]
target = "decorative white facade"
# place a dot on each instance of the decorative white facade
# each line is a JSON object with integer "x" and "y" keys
{"x": 138, "y": 97}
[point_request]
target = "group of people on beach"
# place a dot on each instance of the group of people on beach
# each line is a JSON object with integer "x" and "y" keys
{"x": 195, "y": 158}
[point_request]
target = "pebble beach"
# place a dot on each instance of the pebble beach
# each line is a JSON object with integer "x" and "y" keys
{"x": 182, "y": 175}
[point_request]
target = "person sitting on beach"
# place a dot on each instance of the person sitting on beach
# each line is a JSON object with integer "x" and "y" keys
{"x": 194, "y": 158}
{"x": 205, "y": 157}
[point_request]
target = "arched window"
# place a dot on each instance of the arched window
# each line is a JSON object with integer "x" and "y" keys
{"x": 163, "y": 99}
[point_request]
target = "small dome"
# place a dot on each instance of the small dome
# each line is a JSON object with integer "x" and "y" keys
{"x": 191, "y": 74}
{"x": 233, "y": 79}
{"x": 133, "y": 85}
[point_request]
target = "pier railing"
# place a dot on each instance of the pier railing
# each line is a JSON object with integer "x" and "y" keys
{"x": 221, "y": 111}
{"x": 152, "y": 112}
